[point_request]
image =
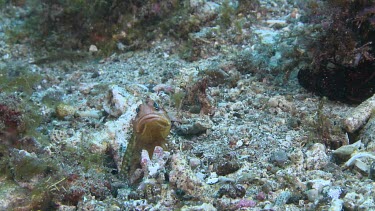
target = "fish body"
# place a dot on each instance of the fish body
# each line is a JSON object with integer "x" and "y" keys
{"x": 151, "y": 127}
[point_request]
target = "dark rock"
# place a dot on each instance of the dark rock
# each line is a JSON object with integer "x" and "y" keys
{"x": 294, "y": 122}
{"x": 266, "y": 187}
{"x": 232, "y": 191}
{"x": 345, "y": 84}
{"x": 372, "y": 171}
{"x": 238, "y": 115}
{"x": 225, "y": 167}
{"x": 194, "y": 128}
{"x": 367, "y": 134}
{"x": 28, "y": 144}
{"x": 279, "y": 158}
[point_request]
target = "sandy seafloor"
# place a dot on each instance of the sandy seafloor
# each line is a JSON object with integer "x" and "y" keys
{"x": 262, "y": 147}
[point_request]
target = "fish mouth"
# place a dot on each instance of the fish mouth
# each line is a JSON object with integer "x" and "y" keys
{"x": 155, "y": 120}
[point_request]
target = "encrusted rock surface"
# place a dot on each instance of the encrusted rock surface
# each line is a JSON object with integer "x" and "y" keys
{"x": 360, "y": 115}
{"x": 243, "y": 136}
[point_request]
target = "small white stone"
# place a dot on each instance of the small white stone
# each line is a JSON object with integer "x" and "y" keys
{"x": 279, "y": 22}
{"x": 239, "y": 143}
{"x": 194, "y": 163}
{"x": 6, "y": 56}
{"x": 316, "y": 158}
{"x": 368, "y": 204}
{"x": 200, "y": 176}
{"x": 319, "y": 184}
{"x": 212, "y": 181}
{"x": 352, "y": 200}
{"x": 121, "y": 46}
{"x": 336, "y": 205}
{"x": 93, "y": 48}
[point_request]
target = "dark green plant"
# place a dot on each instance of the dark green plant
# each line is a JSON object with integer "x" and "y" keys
{"x": 4, "y": 161}
{"x": 238, "y": 25}
{"x": 342, "y": 50}
{"x": 324, "y": 130}
{"x": 226, "y": 14}
{"x": 177, "y": 99}
{"x": 3, "y": 3}
{"x": 248, "y": 6}
{"x": 26, "y": 167}
{"x": 15, "y": 77}
{"x": 186, "y": 51}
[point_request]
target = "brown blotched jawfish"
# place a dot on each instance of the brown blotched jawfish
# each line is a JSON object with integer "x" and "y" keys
{"x": 151, "y": 127}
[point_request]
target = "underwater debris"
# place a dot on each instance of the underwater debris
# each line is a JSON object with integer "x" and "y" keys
{"x": 151, "y": 175}
{"x": 194, "y": 126}
{"x": 159, "y": 159}
{"x": 367, "y": 134}
{"x": 183, "y": 178}
{"x": 316, "y": 158}
{"x": 245, "y": 203}
{"x": 344, "y": 152}
{"x": 196, "y": 94}
{"x": 279, "y": 158}
{"x": 357, "y": 156}
{"x": 118, "y": 100}
{"x": 63, "y": 110}
{"x": 359, "y": 116}
{"x": 163, "y": 88}
{"x": 231, "y": 190}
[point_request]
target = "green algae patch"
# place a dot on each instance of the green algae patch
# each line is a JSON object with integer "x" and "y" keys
{"x": 83, "y": 153}
{"x": 15, "y": 197}
{"x": 17, "y": 83}
{"x": 226, "y": 15}
{"x": 17, "y": 78}
{"x": 52, "y": 57}
{"x": 19, "y": 117}
{"x": 8, "y": 191}
{"x": 25, "y": 165}
{"x": 4, "y": 162}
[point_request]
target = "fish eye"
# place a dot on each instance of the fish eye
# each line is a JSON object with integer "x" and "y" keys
{"x": 156, "y": 106}
{"x": 137, "y": 110}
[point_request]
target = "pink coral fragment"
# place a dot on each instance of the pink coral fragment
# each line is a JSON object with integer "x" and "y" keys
{"x": 243, "y": 203}
{"x": 163, "y": 87}
{"x": 145, "y": 159}
{"x": 158, "y": 153}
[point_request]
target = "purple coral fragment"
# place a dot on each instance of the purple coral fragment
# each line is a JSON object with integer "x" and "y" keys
{"x": 243, "y": 203}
